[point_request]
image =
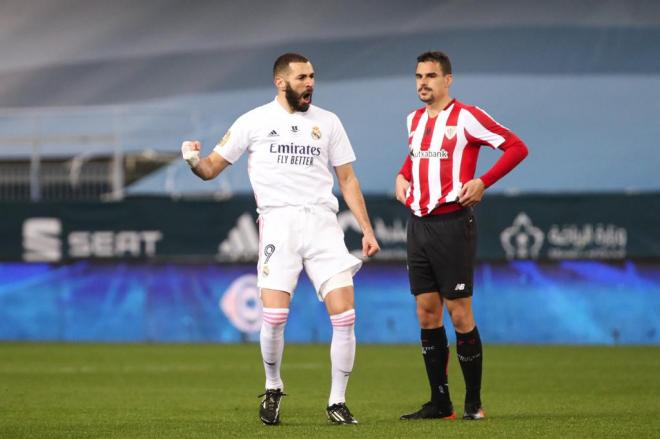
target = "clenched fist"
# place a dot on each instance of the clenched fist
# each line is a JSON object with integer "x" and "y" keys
{"x": 190, "y": 151}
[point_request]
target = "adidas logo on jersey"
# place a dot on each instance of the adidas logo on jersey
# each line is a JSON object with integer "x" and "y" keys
{"x": 273, "y": 134}
{"x": 242, "y": 243}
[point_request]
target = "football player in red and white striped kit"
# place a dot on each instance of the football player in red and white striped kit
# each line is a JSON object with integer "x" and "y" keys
{"x": 437, "y": 182}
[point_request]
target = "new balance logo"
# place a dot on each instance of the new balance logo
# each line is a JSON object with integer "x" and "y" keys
{"x": 242, "y": 243}
{"x": 459, "y": 287}
{"x": 273, "y": 134}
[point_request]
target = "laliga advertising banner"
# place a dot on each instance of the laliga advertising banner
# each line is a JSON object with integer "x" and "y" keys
{"x": 543, "y": 227}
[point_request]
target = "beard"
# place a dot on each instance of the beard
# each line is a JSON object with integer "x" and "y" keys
{"x": 429, "y": 97}
{"x": 295, "y": 100}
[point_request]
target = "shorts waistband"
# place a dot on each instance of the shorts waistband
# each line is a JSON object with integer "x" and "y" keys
{"x": 443, "y": 217}
{"x": 298, "y": 207}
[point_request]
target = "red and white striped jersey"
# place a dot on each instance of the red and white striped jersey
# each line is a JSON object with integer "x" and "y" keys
{"x": 443, "y": 153}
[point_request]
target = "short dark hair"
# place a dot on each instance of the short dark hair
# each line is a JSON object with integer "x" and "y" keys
{"x": 282, "y": 62}
{"x": 439, "y": 57}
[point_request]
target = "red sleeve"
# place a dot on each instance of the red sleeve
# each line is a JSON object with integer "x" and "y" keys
{"x": 406, "y": 169}
{"x": 514, "y": 152}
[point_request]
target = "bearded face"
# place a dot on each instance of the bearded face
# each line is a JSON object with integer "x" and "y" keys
{"x": 298, "y": 101}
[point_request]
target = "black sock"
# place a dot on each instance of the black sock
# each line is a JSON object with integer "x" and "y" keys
{"x": 436, "y": 355}
{"x": 470, "y": 355}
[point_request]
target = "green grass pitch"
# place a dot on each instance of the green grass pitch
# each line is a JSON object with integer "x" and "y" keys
{"x": 199, "y": 391}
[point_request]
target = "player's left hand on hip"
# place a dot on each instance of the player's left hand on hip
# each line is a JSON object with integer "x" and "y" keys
{"x": 369, "y": 245}
{"x": 471, "y": 193}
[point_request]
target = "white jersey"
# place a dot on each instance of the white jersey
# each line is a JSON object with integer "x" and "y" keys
{"x": 289, "y": 154}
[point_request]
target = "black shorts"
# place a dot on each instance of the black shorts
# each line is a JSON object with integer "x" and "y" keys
{"x": 441, "y": 253}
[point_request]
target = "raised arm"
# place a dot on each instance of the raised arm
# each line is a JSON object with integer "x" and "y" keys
{"x": 205, "y": 168}
{"x": 350, "y": 189}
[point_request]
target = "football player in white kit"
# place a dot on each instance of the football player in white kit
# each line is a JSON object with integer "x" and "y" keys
{"x": 290, "y": 145}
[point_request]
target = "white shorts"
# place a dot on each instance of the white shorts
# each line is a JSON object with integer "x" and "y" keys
{"x": 293, "y": 237}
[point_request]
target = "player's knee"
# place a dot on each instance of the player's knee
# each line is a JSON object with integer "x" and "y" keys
{"x": 463, "y": 321}
{"x": 344, "y": 319}
{"x": 429, "y": 317}
{"x": 275, "y": 317}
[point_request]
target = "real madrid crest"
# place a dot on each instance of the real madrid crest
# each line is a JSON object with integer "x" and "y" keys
{"x": 450, "y": 131}
{"x": 316, "y": 133}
